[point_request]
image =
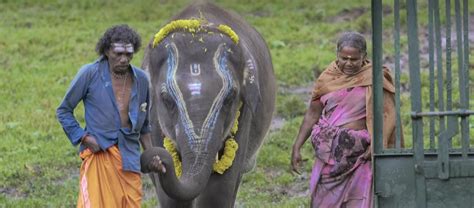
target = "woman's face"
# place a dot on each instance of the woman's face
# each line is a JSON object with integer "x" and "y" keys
{"x": 350, "y": 60}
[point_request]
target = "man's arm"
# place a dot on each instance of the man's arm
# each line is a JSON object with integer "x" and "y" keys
{"x": 145, "y": 140}
{"x": 65, "y": 112}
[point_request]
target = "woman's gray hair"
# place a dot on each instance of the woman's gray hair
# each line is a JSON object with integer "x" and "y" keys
{"x": 354, "y": 40}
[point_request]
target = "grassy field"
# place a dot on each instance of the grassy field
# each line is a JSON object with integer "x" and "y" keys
{"x": 45, "y": 42}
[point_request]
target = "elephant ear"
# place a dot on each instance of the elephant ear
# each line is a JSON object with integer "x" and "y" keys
{"x": 251, "y": 84}
{"x": 146, "y": 59}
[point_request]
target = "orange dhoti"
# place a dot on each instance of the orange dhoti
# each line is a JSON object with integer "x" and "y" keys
{"x": 103, "y": 183}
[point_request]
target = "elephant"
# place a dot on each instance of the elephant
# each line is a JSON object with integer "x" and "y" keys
{"x": 211, "y": 80}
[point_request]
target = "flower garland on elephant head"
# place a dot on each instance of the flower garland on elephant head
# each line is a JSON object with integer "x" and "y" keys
{"x": 191, "y": 25}
{"x": 220, "y": 165}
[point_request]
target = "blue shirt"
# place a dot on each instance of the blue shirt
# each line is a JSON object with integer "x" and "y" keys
{"x": 93, "y": 86}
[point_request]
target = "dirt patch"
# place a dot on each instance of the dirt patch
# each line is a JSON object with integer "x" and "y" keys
{"x": 277, "y": 123}
{"x": 11, "y": 192}
{"x": 298, "y": 188}
{"x": 348, "y": 14}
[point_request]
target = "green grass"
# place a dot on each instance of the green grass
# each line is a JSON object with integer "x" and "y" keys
{"x": 45, "y": 42}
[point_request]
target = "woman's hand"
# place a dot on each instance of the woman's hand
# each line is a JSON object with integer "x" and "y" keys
{"x": 296, "y": 159}
{"x": 368, "y": 154}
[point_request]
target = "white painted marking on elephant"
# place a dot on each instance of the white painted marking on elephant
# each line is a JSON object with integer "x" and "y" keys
{"x": 252, "y": 79}
{"x": 250, "y": 64}
{"x": 196, "y": 140}
{"x": 163, "y": 88}
{"x": 251, "y": 69}
{"x": 195, "y": 69}
{"x": 195, "y": 88}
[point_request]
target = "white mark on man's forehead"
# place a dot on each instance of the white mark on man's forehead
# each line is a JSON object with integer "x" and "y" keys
{"x": 122, "y": 48}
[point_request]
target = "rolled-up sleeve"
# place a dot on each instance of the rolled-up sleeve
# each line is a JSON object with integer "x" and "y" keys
{"x": 65, "y": 112}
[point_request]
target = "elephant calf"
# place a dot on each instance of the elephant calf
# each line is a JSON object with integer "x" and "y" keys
{"x": 213, "y": 96}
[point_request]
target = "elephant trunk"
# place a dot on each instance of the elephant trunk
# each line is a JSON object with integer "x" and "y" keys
{"x": 196, "y": 172}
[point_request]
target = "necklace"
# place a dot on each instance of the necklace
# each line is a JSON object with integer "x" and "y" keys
{"x": 120, "y": 75}
{"x": 123, "y": 86}
{"x": 121, "y": 94}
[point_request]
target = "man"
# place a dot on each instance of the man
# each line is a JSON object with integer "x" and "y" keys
{"x": 116, "y": 101}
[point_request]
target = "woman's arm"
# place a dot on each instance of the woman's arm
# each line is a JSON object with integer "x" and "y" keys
{"x": 310, "y": 118}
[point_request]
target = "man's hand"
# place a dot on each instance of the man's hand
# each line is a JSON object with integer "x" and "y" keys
{"x": 156, "y": 165}
{"x": 90, "y": 142}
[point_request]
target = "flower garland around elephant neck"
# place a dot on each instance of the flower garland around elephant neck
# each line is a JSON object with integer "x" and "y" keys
{"x": 191, "y": 25}
{"x": 219, "y": 166}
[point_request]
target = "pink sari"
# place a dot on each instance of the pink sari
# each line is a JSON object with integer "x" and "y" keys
{"x": 341, "y": 177}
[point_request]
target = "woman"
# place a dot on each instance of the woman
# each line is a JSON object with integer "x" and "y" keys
{"x": 339, "y": 119}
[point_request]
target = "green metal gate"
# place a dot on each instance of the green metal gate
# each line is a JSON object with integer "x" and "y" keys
{"x": 436, "y": 166}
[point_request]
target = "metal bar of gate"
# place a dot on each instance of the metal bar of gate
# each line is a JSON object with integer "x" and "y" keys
{"x": 431, "y": 71}
{"x": 415, "y": 91}
{"x": 461, "y": 113}
{"x": 377, "y": 74}
{"x": 464, "y": 85}
{"x": 443, "y": 155}
{"x": 452, "y": 120}
{"x": 396, "y": 37}
{"x": 439, "y": 64}
{"x": 449, "y": 91}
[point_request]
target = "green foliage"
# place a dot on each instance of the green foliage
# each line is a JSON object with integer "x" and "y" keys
{"x": 290, "y": 106}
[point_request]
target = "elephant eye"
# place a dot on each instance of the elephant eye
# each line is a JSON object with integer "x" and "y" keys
{"x": 167, "y": 100}
{"x": 230, "y": 97}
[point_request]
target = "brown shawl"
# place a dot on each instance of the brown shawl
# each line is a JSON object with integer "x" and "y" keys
{"x": 333, "y": 79}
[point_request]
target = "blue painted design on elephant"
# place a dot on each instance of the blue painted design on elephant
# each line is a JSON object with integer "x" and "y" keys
{"x": 175, "y": 93}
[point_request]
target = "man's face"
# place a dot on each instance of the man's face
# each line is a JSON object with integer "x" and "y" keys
{"x": 119, "y": 56}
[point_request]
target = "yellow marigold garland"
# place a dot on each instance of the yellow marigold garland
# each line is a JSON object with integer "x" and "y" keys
{"x": 227, "y": 30}
{"x": 219, "y": 166}
{"x": 169, "y": 146}
{"x": 192, "y": 25}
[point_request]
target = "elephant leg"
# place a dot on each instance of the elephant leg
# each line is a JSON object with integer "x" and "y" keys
{"x": 163, "y": 199}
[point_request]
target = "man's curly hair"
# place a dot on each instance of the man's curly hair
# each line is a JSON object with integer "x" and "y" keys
{"x": 118, "y": 34}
